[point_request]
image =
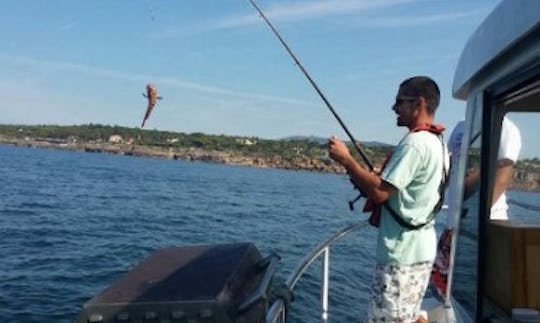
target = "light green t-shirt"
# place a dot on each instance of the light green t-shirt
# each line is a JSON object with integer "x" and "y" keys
{"x": 415, "y": 169}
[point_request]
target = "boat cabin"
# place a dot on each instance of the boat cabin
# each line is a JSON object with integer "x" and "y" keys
{"x": 496, "y": 262}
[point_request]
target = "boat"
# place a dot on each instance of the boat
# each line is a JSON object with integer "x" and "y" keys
{"x": 494, "y": 271}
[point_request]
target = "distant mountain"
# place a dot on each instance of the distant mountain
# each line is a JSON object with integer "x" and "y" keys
{"x": 322, "y": 140}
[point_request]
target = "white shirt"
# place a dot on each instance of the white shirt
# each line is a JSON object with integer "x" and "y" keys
{"x": 509, "y": 148}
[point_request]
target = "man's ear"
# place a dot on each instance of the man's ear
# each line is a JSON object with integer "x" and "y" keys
{"x": 421, "y": 104}
{"x": 421, "y": 101}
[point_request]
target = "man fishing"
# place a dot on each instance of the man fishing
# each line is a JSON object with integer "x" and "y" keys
{"x": 412, "y": 183}
{"x": 406, "y": 195}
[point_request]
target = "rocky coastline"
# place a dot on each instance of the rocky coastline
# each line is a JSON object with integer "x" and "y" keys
{"x": 522, "y": 180}
{"x": 187, "y": 154}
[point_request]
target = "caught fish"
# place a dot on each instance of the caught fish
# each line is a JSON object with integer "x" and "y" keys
{"x": 152, "y": 96}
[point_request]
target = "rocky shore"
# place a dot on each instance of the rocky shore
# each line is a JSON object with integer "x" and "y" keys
{"x": 523, "y": 180}
{"x": 188, "y": 154}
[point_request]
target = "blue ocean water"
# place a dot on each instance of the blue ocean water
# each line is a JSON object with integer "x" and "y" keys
{"x": 72, "y": 222}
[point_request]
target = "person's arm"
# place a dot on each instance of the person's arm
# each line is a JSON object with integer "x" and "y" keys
{"x": 509, "y": 148}
{"x": 472, "y": 180}
{"x": 503, "y": 178}
{"x": 369, "y": 183}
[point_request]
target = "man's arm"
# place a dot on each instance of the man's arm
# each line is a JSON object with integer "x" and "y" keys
{"x": 503, "y": 177}
{"x": 369, "y": 183}
{"x": 472, "y": 180}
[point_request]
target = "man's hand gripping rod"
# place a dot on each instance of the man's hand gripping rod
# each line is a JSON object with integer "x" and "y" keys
{"x": 355, "y": 143}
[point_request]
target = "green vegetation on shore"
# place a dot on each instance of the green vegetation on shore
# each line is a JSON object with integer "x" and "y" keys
{"x": 298, "y": 153}
{"x": 249, "y": 146}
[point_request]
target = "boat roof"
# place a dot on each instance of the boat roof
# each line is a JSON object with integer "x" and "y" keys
{"x": 510, "y": 26}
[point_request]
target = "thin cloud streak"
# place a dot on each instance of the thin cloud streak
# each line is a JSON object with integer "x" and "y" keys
{"x": 392, "y": 22}
{"x": 312, "y": 10}
{"x": 297, "y": 12}
{"x": 67, "y": 26}
{"x": 170, "y": 81}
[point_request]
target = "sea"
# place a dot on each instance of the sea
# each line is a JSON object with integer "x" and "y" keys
{"x": 71, "y": 223}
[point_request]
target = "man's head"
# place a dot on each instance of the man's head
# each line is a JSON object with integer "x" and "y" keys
{"x": 417, "y": 100}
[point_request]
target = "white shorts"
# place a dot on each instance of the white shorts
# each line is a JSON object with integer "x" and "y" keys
{"x": 397, "y": 292}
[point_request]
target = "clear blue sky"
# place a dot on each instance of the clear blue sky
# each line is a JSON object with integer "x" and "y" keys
{"x": 220, "y": 69}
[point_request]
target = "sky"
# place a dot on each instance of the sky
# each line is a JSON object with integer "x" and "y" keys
{"x": 219, "y": 68}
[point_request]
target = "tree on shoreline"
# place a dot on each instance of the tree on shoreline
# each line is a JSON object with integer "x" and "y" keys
{"x": 303, "y": 151}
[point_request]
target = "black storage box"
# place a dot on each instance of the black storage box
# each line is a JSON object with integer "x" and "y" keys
{"x": 203, "y": 283}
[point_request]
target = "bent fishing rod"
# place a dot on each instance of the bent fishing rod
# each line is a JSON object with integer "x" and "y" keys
{"x": 355, "y": 143}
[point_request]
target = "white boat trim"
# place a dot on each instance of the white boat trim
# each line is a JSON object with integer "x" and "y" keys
{"x": 483, "y": 58}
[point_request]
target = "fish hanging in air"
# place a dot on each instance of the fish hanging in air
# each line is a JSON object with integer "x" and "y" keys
{"x": 152, "y": 96}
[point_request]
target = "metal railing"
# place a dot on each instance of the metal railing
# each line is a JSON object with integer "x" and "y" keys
{"x": 277, "y": 312}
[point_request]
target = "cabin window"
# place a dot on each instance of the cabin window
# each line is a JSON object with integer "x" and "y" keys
{"x": 512, "y": 266}
{"x": 513, "y": 232}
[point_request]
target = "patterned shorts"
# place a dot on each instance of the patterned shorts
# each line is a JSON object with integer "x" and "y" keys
{"x": 397, "y": 292}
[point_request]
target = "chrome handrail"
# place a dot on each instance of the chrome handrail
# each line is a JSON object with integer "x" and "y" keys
{"x": 277, "y": 312}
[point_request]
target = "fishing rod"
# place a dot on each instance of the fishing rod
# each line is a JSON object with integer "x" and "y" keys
{"x": 355, "y": 143}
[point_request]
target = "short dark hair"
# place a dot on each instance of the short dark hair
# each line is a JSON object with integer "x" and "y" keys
{"x": 425, "y": 87}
